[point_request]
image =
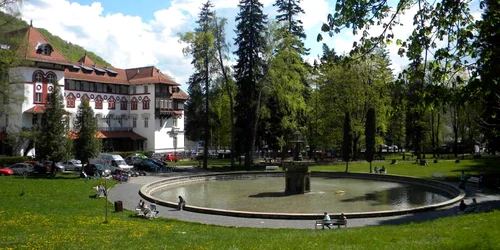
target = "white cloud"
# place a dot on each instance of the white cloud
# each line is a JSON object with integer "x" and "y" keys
{"x": 129, "y": 41}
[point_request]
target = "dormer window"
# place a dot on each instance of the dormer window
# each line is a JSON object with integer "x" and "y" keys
{"x": 44, "y": 49}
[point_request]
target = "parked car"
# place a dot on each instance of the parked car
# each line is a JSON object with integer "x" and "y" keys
{"x": 73, "y": 165}
{"x": 170, "y": 158}
{"x": 148, "y": 165}
{"x": 132, "y": 159}
{"x": 22, "y": 169}
{"x": 6, "y": 171}
{"x": 39, "y": 168}
{"x": 59, "y": 166}
{"x": 94, "y": 169}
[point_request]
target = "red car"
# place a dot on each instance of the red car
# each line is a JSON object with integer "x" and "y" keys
{"x": 6, "y": 171}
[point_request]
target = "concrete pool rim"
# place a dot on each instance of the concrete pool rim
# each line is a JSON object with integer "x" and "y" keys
{"x": 451, "y": 191}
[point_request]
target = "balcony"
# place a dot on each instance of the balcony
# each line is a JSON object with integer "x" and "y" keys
{"x": 115, "y": 129}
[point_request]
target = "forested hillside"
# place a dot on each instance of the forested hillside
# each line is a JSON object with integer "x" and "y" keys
{"x": 69, "y": 50}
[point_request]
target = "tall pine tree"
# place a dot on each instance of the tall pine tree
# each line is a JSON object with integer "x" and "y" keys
{"x": 249, "y": 71}
{"x": 202, "y": 49}
{"x": 53, "y": 144}
{"x": 87, "y": 144}
{"x": 288, "y": 11}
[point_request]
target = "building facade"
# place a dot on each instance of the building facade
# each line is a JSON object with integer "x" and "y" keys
{"x": 138, "y": 109}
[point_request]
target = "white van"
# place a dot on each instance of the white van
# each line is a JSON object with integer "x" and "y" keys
{"x": 114, "y": 162}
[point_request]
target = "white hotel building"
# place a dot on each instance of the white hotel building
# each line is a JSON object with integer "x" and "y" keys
{"x": 137, "y": 109}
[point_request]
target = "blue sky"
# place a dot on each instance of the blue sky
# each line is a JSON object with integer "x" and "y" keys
{"x": 141, "y": 33}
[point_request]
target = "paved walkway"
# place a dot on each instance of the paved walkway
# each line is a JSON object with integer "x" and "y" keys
{"x": 128, "y": 193}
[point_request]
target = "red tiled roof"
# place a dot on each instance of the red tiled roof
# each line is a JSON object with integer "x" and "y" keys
{"x": 120, "y": 78}
{"x": 34, "y": 38}
{"x": 122, "y": 134}
{"x": 3, "y": 136}
{"x": 180, "y": 95}
{"x": 37, "y": 109}
{"x": 148, "y": 74}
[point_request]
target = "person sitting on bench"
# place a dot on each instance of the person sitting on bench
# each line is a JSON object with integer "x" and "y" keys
{"x": 326, "y": 221}
{"x": 382, "y": 170}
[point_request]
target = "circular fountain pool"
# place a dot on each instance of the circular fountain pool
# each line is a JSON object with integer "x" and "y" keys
{"x": 263, "y": 194}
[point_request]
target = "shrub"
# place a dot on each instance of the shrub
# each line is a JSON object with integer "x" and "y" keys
{"x": 7, "y": 161}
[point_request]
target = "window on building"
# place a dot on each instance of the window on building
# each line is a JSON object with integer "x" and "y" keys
{"x": 70, "y": 101}
{"x": 145, "y": 103}
{"x": 108, "y": 121}
{"x": 51, "y": 79}
{"x": 38, "y": 77}
{"x": 34, "y": 120}
{"x": 46, "y": 49}
{"x": 124, "y": 90}
{"x": 85, "y": 86}
{"x": 146, "y": 89}
{"x": 38, "y": 97}
{"x": 98, "y": 102}
{"x": 134, "y": 122}
{"x": 70, "y": 85}
{"x": 99, "y": 87}
{"x": 111, "y": 103}
{"x": 146, "y": 122}
{"x": 123, "y": 104}
{"x": 134, "y": 90}
{"x": 133, "y": 104}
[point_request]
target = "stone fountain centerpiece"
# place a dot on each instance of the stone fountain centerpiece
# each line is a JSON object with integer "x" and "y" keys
{"x": 297, "y": 175}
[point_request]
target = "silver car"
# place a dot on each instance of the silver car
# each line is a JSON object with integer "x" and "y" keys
{"x": 22, "y": 169}
{"x": 72, "y": 165}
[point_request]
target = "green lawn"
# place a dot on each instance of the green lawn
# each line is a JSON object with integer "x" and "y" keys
{"x": 44, "y": 213}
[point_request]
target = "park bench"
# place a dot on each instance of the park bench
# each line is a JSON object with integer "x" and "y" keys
{"x": 337, "y": 223}
{"x": 272, "y": 167}
{"x": 437, "y": 175}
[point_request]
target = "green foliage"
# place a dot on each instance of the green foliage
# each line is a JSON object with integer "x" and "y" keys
{"x": 72, "y": 52}
{"x": 53, "y": 144}
{"x": 7, "y": 161}
{"x": 487, "y": 88}
{"x": 286, "y": 100}
{"x": 87, "y": 144}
